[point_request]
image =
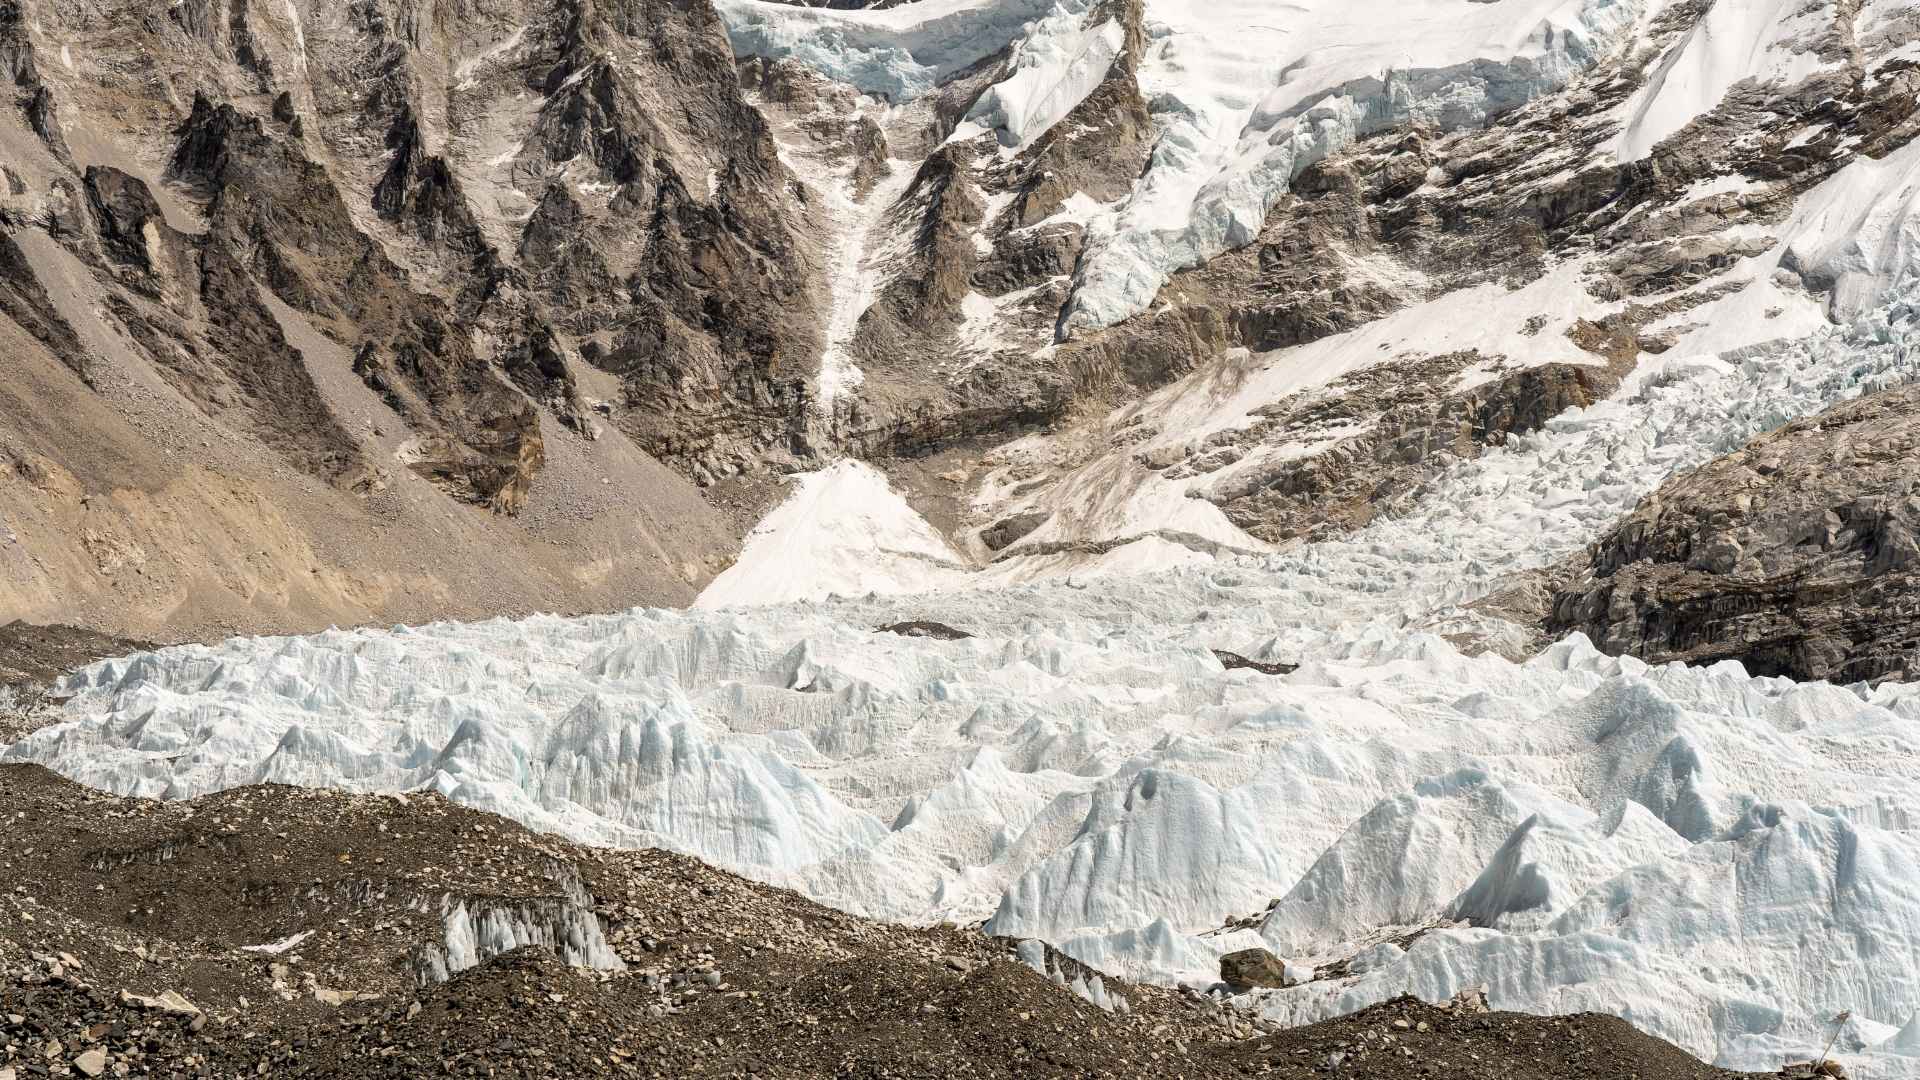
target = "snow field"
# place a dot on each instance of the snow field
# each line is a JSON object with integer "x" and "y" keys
{"x": 841, "y": 530}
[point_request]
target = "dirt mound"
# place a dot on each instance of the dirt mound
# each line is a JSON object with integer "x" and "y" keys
{"x": 32, "y": 657}
{"x": 286, "y": 932}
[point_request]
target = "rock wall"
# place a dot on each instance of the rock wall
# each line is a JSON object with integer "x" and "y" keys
{"x": 1796, "y": 555}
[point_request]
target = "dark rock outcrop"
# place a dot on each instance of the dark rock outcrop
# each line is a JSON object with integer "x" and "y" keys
{"x": 124, "y": 211}
{"x": 1233, "y": 661}
{"x": 1798, "y": 555}
{"x": 25, "y": 302}
{"x": 480, "y": 440}
{"x": 921, "y": 628}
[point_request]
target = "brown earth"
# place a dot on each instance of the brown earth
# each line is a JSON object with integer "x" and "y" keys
{"x": 723, "y": 977}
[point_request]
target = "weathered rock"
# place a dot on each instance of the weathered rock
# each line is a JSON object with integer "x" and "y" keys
{"x": 925, "y": 629}
{"x": 167, "y": 1001}
{"x": 1234, "y": 661}
{"x": 1251, "y": 968}
{"x": 91, "y": 1062}
{"x": 1796, "y": 555}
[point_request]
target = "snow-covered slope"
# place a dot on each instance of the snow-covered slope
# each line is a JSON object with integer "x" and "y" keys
{"x": 1245, "y": 93}
{"x": 1763, "y": 40}
{"x": 841, "y": 530}
{"x": 1254, "y": 93}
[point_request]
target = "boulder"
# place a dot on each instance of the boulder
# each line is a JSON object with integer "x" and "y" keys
{"x": 1253, "y": 968}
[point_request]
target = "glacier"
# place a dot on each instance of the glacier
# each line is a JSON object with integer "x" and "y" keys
{"x": 899, "y": 53}
{"x": 1725, "y": 860}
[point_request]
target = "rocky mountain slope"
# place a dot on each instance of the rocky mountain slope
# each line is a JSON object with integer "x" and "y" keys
{"x": 336, "y": 312}
{"x": 377, "y": 312}
{"x": 1795, "y": 555}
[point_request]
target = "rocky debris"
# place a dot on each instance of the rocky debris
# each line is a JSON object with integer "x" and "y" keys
{"x": 1406, "y": 1038}
{"x": 32, "y": 659}
{"x": 1234, "y": 661}
{"x": 1797, "y": 555}
{"x": 921, "y": 628}
{"x": 1814, "y": 1070}
{"x": 1251, "y": 968}
{"x": 267, "y": 931}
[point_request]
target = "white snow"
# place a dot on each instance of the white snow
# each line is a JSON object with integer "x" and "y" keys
{"x": 1769, "y": 41}
{"x": 858, "y": 247}
{"x": 1858, "y": 236}
{"x": 843, "y": 530}
{"x": 1729, "y": 184}
{"x": 1054, "y": 67}
{"x": 856, "y": 272}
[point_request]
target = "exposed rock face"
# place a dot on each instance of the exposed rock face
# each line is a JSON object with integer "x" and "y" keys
{"x": 1798, "y": 555}
{"x": 553, "y": 245}
{"x": 280, "y": 245}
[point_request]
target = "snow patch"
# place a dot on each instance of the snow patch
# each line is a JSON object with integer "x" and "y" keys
{"x": 843, "y": 530}
{"x": 1054, "y": 67}
{"x": 1768, "y": 41}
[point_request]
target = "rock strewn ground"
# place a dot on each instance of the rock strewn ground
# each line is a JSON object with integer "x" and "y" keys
{"x": 113, "y": 903}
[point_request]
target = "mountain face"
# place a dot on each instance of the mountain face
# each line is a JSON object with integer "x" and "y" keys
{"x": 499, "y": 305}
{"x": 1416, "y": 497}
{"x": 339, "y": 312}
{"x": 1797, "y": 555}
